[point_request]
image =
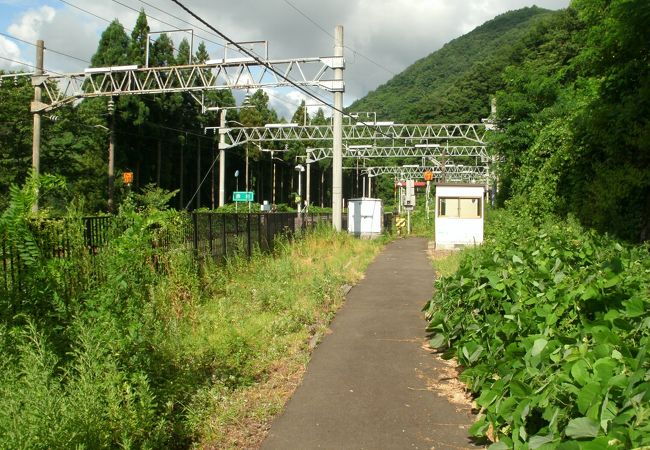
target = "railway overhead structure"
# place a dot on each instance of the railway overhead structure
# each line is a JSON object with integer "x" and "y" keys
{"x": 360, "y": 133}
{"x": 215, "y": 74}
{"x": 453, "y": 172}
{"x": 52, "y": 90}
{"x": 479, "y": 152}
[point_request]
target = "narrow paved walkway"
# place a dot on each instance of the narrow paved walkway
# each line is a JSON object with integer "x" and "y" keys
{"x": 366, "y": 385}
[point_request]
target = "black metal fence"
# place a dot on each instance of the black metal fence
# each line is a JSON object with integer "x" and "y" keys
{"x": 207, "y": 235}
{"x": 218, "y": 235}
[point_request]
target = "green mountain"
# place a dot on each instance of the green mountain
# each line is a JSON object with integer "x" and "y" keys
{"x": 455, "y": 83}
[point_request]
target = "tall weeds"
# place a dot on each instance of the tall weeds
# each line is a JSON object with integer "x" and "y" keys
{"x": 145, "y": 352}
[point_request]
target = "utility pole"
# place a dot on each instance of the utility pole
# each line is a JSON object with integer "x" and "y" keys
{"x": 36, "y": 137}
{"x": 198, "y": 174}
{"x": 337, "y": 148}
{"x": 273, "y": 162}
{"x": 111, "y": 156}
{"x": 308, "y": 189}
{"x": 222, "y": 158}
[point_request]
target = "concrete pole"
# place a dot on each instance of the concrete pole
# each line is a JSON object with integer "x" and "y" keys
{"x": 111, "y": 164}
{"x": 299, "y": 189}
{"x": 308, "y": 189}
{"x": 273, "y": 162}
{"x": 36, "y": 136}
{"x": 222, "y": 158}
{"x": 198, "y": 174}
{"x": 337, "y": 160}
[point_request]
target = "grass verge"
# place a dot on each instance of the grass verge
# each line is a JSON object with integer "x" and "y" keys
{"x": 264, "y": 317}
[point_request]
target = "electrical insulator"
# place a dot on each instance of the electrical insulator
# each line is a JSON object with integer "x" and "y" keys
{"x": 111, "y": 106}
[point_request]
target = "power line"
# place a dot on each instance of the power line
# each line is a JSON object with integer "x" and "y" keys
{"x": 370, "y": 60}
{"x": 28, "y": 65}
{"x": 86, "y": 11}
{"x": 17, "y": 39}
{"x": 271, "y": 68}
{"x": 183, "y": 21}
{"x": 107, "y": 20}
{"x": 248, "y": 53}
{"x": 46, "y": 48}
{"x": 317, "y": 25}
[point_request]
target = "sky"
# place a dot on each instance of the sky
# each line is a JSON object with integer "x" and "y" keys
{"x": 381, "y": 37}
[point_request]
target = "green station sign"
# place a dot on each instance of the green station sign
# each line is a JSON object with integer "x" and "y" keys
{"x": 242, "y": 196}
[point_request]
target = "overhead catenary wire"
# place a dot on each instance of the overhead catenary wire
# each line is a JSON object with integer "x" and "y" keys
{"x": 45, "y": 48}
{"x": 22, "y": 63}
{"x": 183, "y": 21}
{"x": 108, "y": 20}
{"x": 270, "y": 67}
{"x": 317, "y": 25}
{"x": 164, "y": 22}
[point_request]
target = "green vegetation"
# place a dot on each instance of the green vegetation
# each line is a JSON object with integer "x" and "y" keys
{"x": 551, "y": 320}
{"x": 155, "y": 352}
{"x": 159, "y": 138}
{"x": 576, "y": 121}
{"x": 552, "y": 326}
{"x": 454, "y": 84}
{"x": 572, "y": 88}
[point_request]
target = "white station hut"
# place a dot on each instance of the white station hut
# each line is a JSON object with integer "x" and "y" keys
{"x": 460, "y": 211}
{"x": 365, "y": 217}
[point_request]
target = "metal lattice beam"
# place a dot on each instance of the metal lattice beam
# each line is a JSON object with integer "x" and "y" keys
{"x": 450, "y": 173}
{"x": 238, "y": 73}
{"x": 451, "y": 151}
{"x": 473, "y": 133}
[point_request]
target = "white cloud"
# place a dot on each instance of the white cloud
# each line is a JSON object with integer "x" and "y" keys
{"x": 393, "y": 33}
{"x": 9, "y": 50}
{"x": 30, "y": 24}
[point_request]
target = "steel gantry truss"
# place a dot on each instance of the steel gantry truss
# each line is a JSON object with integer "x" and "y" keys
{"x": 232, "y": 73}
{"x": 424, "y": 150}
{"x": 54, "y": 90}
{"x": 452, "y": 173}
{"x": 421, "y": 134}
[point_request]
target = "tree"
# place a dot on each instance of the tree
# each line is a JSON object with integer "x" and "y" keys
{"x": 113, "y": 48}
{"x": 139, "y": 37}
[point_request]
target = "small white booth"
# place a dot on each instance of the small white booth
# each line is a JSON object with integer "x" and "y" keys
{"x": 365, "y": 217}
{"x": 459, "y": 215}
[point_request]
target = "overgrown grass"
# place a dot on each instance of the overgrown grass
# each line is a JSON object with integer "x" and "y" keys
{"x": 158, "y": 352}
{"x": 446, "y": 263}
{"x": 266, "y": 312}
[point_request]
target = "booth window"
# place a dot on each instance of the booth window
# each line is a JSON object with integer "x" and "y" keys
{"x": 459, "y": 207}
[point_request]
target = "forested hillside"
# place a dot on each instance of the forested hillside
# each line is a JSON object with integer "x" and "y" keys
{"x": 574, "y": 115}
{"x": 573, "y": 90}
{"x": 454, "y": 83}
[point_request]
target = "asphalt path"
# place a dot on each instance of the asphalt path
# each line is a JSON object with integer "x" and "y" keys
{"x": 371, "y": 382}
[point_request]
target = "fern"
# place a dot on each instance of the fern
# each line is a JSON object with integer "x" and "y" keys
{"x": 15, "y": 220}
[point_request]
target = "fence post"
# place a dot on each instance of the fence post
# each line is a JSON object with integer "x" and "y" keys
{"x": 223, "y": 236}
{"x": 259, "y": 230}
{"x": 210, "y": 234}
{"x": 195, "y": 223}
{"x": 248, "y": 235}
{"x": 269, "y": 238}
